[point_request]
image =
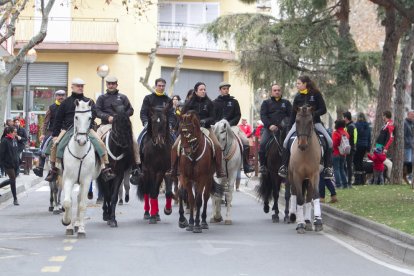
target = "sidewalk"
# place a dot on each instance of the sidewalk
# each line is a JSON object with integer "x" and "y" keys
{"x": 23, "y": 183}
{"x": 395, "y": 243}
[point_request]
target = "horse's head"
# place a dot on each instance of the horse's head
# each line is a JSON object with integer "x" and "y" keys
{"x": 158, "y": 125}
{"x": 190, "y": 132}
{"x": 121, "y": 126}
{"x": 222, "y": 130}
{"x": 82, "y": 121}
{"x": 304, "y": 125}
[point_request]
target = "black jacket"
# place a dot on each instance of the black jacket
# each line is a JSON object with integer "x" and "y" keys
{"x": 273, "y": 112}
{"x": 104, "y": 105}
{"x": 227, "y": 107}
{"x": 9, "y": 155}
{"x": 153, "y": 100}
{"x": 364, "y": 134}
{"x": 66, "y": 112}
{"x": 350, "y": 129}
{"x": 408, "y": 134}
{"x": 23, "y": 135}
{"x": 204, "y": 107}
{"x": 313, "y": 99}
{"x": 52, "y": 109}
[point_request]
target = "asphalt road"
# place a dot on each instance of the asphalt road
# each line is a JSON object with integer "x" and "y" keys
{"x": 33, "y": 242}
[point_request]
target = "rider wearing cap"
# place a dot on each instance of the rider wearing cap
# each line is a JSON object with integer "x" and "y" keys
{"x": 64, "y": 121}
{"x": 47, "y": 129}
{"x": 105, "y": 111}
{"x": 227, "y": 107}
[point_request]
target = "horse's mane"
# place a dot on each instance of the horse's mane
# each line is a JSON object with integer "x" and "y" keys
{"x": 158, "y": 110}
{"x": 122, "y": 126}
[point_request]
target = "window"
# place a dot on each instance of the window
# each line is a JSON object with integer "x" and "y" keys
{"x": 188, "y": 13}
{"x": 42, "y": 98}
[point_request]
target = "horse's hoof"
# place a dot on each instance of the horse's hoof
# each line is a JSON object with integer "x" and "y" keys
{"x": 51, "y": 208}
{"x": 197, "y": 229}
{"x": 275, "y": 218}
{"x": 157, "y": 216}
{"x": 183, "y": 224}
{"x": 228, "y": 222}
{"x": 127, "y": 198}
{"x": 292, "y": 218}
{"x": 69, "y": 232}
{"x": 81, "y": 235}
{"x": 318, "y": 225}
{"x": 153, "y": 220}
{"x": 216, "y": 220}
{"x": 146, "y": 215}
{"x": 266, "y": 208}
{"x": 120, "y": 202}
{"x": 76, "y": 228}
{"x": 300, "y": 229}
{"x": 105, "y": 217}
{"x": 308, "y": 226}
{"x": 286, "y": 219}
{"x": 167, "y": 211}
{"x": 57, "y": 212}
{"x": 64, "y": 223}
{"x": 113, "y": 223}
{"x": 189, "y": 228}
{"x": 63, "y": 209}
{"x": 204, "y": 225}
{"x": 90, "y": 195}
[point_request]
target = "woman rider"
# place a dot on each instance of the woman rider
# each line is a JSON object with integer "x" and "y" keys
{"x": 203, "y": 106}
{"x": 309, "y": 94}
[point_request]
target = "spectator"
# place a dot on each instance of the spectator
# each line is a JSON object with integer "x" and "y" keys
{"x": 245, "y": 127}
{"x": 386, "y": 135}
{"x": 408, "y": 138}
{"x": 258, "y": 130}
{"x": 9, "y": 159}
{"x": 378, "y": 159}
{"x": 331, "y": 187}
{"x": 353, "y": 134}
{"x": 21, "y": 136}
{"x": 363, "y": 146}
{"x": 339, "y": 159}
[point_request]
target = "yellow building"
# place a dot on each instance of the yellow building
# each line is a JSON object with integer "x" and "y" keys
{"x": 91, "y": 33}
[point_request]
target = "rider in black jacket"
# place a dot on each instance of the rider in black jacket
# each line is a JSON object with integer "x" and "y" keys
{"x": 227, "y": 107}
{"x": 308, "y": 94}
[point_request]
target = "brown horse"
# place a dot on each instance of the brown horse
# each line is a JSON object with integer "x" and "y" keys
{"x": 196, "y": 172}
{"x": 304, "y": 172}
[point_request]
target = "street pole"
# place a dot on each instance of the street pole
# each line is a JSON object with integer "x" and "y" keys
{"x": 27, "y": 100}
{"x": 102, "y": 86}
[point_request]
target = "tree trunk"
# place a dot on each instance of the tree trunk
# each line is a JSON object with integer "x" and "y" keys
{"x": 393, "y": 33}
{"x": 412, "y": 84}
{"x": 3, "y": 100}
{"x": 400, "y": 86}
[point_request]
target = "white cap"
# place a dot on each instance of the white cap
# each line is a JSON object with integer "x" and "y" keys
{"x": 111, "y": 79}
{"x": 78, "y": 81}
{"x": 60, "y": 92}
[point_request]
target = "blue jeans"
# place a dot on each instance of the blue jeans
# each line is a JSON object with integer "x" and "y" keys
{"x": 326, "y": 183}
{"x": 408, "y": 155}
{"x": 339, "y": 171}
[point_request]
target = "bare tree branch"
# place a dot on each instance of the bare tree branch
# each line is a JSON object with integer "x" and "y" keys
{"x": 11, "y": 27}
{"x": 176, "y": 72}
{"x": 148, "y": 70}
{"x": 7, "y": 11}
{"x": 3, "y": 2}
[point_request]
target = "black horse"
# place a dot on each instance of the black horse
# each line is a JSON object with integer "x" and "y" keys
{"x": 119, "y": 145}
{"x": 270, "y": 181}
{"x": 156, "y": 160}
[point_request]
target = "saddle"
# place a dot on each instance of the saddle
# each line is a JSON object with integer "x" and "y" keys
{"x": 322, "y": 142}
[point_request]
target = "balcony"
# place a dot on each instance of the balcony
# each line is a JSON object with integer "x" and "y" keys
{"x": 170, "y": 37}
{"x": 70, "y": 34}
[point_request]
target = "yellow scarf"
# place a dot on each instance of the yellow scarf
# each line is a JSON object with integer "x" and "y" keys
{"x": 57, "y": 102}
{"x": 277, "y": 98}
{"x": 159, "y": 93}
{"x": 304, "y": 91}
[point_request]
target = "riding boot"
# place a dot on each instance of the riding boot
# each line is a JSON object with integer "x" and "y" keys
{"x": 135, "y": 174}
{"x": 38, "y": 171}
{"x": 173, "y": 171}
{"x": 53, "y": 173}
{"x": 283, "y": 170}
{"x": 327, "y": 161}
{"x": 219, "y": 168}
{"x": 246, "y": 166}
{"x": 107, "y": 173}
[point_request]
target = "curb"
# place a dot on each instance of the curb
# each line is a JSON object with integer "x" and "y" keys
{"x": 20, "y": 188}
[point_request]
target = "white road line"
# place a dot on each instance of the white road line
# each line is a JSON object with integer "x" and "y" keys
{"x": 50, "y": 269}
{"x": 10, "y": 257}
{"x": 67, "y": 248}
{"x": 57, "y": 259}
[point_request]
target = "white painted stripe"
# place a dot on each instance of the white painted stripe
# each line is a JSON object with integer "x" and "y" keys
{"x": 68, "y": 248}
{"x": 69, "y": 240}
{"x": 57, "y": 259}
{"x": 50, "y": 269}
{"x": 10, "y": 257}
{"x": 369, "y": 257}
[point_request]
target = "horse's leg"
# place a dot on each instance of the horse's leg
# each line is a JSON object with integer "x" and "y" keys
{"x": 154, "y": 192}
{"x": 216, "y": 212}
{"x": 276, "y": 190}
{"x": 116, "y": 184}
{"x": 199, "y": 203}
{"x": 229, "y": 198}
{"x": 206, "y": 197}
{"x": 292, "y": 207}
{"x": 287, "y": 199}
{"x": 300, "y": 205}
{"x": 67, "y": 202}
{"x": 308, "y": 211}
{"x": 190, "y": 199}
{"x": 82, "y": 199}
{"x": 317, "y": 207}
{"x": 51, "y": 197}
{"x": 182, "y": 221}
{"x": 168, "y": 196}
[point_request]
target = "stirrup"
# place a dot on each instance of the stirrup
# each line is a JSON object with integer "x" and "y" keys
{"x": 282, "y": 171}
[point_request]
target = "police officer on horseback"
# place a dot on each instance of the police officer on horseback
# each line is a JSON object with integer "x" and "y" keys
{"x": 47, "y": 129}
{"x": 274, "y": 112}
{"x": 308, "y": 94}
{"x": 106, "y": 110}
{"x": 227, "y": 107}
{"x": 64, "y": 121}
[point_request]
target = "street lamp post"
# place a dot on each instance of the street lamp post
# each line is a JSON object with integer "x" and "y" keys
{"x": 29, "y": 58}
{"x": 102, "y": 71}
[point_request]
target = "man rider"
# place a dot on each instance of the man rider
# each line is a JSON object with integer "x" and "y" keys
{"x": 47, "y": 129}
{"x": 105, "y": 111}
{"x": 64, "y": 121}
{"x": 273, "y": 112}
{"x": 227, "y": 107}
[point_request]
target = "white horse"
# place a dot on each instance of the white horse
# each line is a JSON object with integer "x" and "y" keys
{"x": 232, "y": 161}
{"x": 80, "y": 168}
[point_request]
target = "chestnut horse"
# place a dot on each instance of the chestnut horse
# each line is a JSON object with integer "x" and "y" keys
{"x": 303, "y": 172}
{"x": 196, "y": 171}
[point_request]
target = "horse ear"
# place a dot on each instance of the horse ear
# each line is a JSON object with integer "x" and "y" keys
{"x": 77, "y": 102}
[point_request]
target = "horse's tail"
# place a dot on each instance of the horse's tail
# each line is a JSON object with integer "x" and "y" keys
{"x": 140, "y": 188}
{"x": 217, "y": 190}
{"x": 265, "y": 188}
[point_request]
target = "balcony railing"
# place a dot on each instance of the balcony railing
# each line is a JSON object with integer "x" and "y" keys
{"x": 171, "y": 35}
{"x": 71, "y": 30}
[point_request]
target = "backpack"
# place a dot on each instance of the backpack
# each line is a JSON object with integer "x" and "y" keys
{"x": 344, "y": 146}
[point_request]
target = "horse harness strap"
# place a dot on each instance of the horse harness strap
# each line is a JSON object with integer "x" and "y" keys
{"x": 202, "y": 153}
{"x": 80, "y": 159}
{"x": 109, "y": 150}
{"x": 231, "y": 152}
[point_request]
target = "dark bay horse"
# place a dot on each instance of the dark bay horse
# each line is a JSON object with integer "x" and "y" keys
{"x": 156, "y": 161}
{"x": 270, "y": 181}
{"x": 303, "y": 175}
{"x": 196, "y": 170}
{"x": 119, "y": 145}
